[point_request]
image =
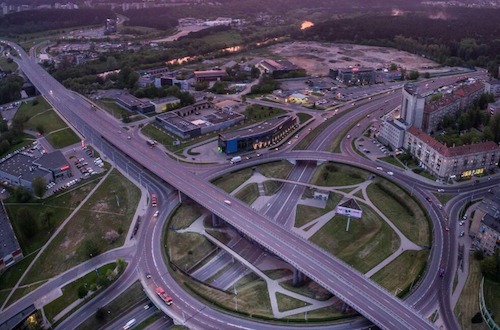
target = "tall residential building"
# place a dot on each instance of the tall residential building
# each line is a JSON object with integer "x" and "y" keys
{"x": 412, "y": 105}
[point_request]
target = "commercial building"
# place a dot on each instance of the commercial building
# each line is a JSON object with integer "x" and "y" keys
{"x": 198, "y": 119}
{"x": 485, "y": 227}
{"x": 277, "y": 68}
{"x": 350, "y": 208}
{"x": 209, "y": 75}
{"x": 298, "y": 98}
{"x": 132, "y": 103}
{"x": 412, "y": 105}
{"x": 354, "y": 76}
{"x": 10, "y": 251}
{"x": 19, "y": 170}
{"x": 261, "y": 135}
{"x": 392, "y": 132}
{"x": 451, "y": 162}
{"x": 55, "y": 163}
{"x": 165, "y": 104}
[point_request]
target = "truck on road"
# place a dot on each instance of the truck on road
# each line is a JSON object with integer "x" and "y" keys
{"x": 151, "y": 143}
{"x": 154, "y": 200}
{"x": 236, "y": 159}
{"x": 164, "y": 296}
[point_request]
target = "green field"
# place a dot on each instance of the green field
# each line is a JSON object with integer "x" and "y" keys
{"x": 330, "y": 174}
{"x": 249, "y": 193}
{"x": 186, "y": 214}
{"x": 405, "y": 213}
{"x": 100, "y": 225}
{"x": 286, "y": 303}
{"x": 394, "y": 279}
{"x": 8, "y": 66}
{"x": 258, "y": 113}
{"x": 468, "y": 303}
{"x": 306, "y": 213}
{"x": 57, "y": 207}
{"x": 62, "y": 138}
{"x": 278, "y": 170}
{"x": 231, "y": 181}
{"x": 90, "y": 281}
{"x": 11, "y": 276}
{"x": 368, "y": 241}
{"x": 492, "y": 298}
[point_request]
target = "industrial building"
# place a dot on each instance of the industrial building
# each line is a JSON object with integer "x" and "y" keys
{"x": 19, "y": 170}
{"x": 132, "y": 103}
{"x": 277, "y": 68}
{"x": 261, "y": 135}
{"x": 10, "y": 251}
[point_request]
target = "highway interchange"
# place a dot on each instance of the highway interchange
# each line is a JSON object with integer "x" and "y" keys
{"x": 373, "y": 302}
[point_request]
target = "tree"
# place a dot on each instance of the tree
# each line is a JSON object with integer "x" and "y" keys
{"x": 82, "y": 291}
{"x": 91, "y": 248}
{"x": 22, "y": 195}
{"x": 490, "y": 267}
{"x": 39, "y": 186}
{"x": 413, "y": 75}
{"x": 27, "y": 223}
{"x": 45, "y": 218}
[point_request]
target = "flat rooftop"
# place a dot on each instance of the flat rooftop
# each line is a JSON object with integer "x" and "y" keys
{"x": 179, "y": 122}
{"x": 257, "y": 129}
{"x": 8, "y": 241}
{"x": 22, "y": 166}
{"x": 53, "y": 160}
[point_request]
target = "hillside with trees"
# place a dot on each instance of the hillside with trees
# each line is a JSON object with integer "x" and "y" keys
{"x": 50, "y": 19}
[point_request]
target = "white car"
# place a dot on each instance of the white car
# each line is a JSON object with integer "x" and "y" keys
{"x": 440, "y": 190}
{"x": 380, "y": 168}
{"x": 156, "y": 213}
{"x": 390, "y": 173}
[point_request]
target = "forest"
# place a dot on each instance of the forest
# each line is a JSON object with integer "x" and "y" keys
{"x": 454, "y": 37}
{"x": 51, "y": 19}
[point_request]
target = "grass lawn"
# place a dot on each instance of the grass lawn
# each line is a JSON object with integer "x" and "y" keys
{"x": 444, "y": 198}
{"x": 70, "y": 291}
{"x": 62, "y": 138}
{"x": 278, "y": 170}
{"x": 59, "y": 207}
{"x": 368, "y": 241}
{"x": 401, "y": 272}
{"x": 308, "y": 289}
{"x": 409, "y": 218}
{"x": 331, "y": 174}
{"x": 223, "y": 38}
{"x": 249, "y": 193}
{"x": 392, "y": 160}
{"x": 187, "y": 249}
{"x": 24, "y": 140}
{"x": 150, "y": 320}
{"x": 117, "y": 307}
{"x": 306, "y": 213}
{"x": 10, "y": 277}
{"x": 49, "y": 120}
{"x": 492, "y": 298}
{"x": 286, "y": 303}
{"x": 253, "y": 297}
{"x": 257, "y": 113}
{"x": 31, "y": 109}
{"x": 271, "y": 187}
{"x": 7, "y": 65}
{"x": 303, "y": 117}
{"x": 230, "y": 181}
{"x": 114, "y": 109}
{"x": 186, "y": 214}
{"x": 108, "y": 212}
{"x": 468, "y": 303}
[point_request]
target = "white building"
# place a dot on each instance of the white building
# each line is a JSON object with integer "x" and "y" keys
{"x": 493, "y": 87}
{"x": 392, "y": 132}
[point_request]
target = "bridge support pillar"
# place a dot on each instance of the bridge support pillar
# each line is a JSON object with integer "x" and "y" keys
{"x": 292, "y": 161}
{"x": 298, "y": 278}
{"x": 345, "y": 308}
{"x": 319, "y": 162}
{"x": 215, "y": 221}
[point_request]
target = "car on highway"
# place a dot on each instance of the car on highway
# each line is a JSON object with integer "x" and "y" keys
{"x": 427, "y": 198}
{"x": 227, "y": 201}
{"x": 390, "y": 173}
{"x": 465, "y": 217}
{"x": 447, "y": 228}
{"x": 148, "y": 275}
{"x": 462, "y": 233}
{"x": 440, "y": 190}
{"x": 380, "y": 168}
{"x": 348, "y": 136}
{"x": 156, "y": 213}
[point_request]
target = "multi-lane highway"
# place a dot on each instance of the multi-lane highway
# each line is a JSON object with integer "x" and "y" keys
{"x": 363, "y": 295}
{"x": 366, "y": 297}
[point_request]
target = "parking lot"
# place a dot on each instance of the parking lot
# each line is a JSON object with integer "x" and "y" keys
{"x": 83, "y": 165}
